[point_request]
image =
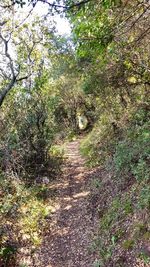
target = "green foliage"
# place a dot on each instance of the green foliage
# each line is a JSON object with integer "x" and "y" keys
{"x": 22, "y": 215}
{"x": 119, "y": 234}
{"x": 146, "y": 235}
{"x": 128, "y": 244}
{"x": 132, "y": 154}
{"x": 7, "y": 251}
{"x": 97, "y": 147}
{"x": 28, "y": 132}
{"x": 111, "y": 215}
{"x": 141, "y": 171}
{"x": 144, "y": 197}
{"x": 105, "y": 252}
{"x": 140, "y": 230}
{"x": 128, "y": 207}
{"x": 113, "y": 54}
{"x": 96, "y": 183}
{"x": 103, "y": 75}
{"x": 98, "y": 263}
{"x": 145, "y": 257}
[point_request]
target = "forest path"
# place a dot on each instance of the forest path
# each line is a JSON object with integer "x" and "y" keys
{"x": 67, "y": 243}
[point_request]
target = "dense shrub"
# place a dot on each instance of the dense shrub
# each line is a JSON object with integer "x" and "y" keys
{"x": 128, "y": 145}
{"x": 99, "y": 145}
{"x": 132, "y": 152}
{"x": 22, "y": 215}
{"x": 27, "y": 133}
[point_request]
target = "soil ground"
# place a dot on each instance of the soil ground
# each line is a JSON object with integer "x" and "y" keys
{"x": 68, "y": 237}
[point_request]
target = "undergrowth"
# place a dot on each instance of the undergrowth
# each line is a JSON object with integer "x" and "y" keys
{"x": 23, "y": 210}
{"x": 123, "y": 195}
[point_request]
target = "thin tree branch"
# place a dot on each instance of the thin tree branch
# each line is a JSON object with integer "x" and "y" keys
{"x": 3, "y": 23}
{"x": 8, "y": 55}
{"x": 22, "y": 78}
{"x": 3, "y": 74}
{"x": 147, "y": 31}
{"x": 23, "y": 21}
{"x": 135, "y": 21}
{"x": 64, "y": 7}
{"x": 13, "y": 79}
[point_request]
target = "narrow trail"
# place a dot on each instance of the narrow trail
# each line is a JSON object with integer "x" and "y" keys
{"x": 67, "y": 243}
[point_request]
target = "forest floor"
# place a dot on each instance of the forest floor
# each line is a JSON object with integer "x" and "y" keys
{"x": 69, "y": 232}
{"x": 93, "y": 219}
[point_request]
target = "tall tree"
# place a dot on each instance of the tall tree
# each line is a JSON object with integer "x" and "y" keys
{"x": 23, "y": 47}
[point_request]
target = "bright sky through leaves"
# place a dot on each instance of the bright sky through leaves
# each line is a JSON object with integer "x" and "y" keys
{"x": 62, "y": 24}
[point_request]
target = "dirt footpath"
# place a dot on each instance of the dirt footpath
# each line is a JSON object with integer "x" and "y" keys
{"x": 68, "y": 241}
